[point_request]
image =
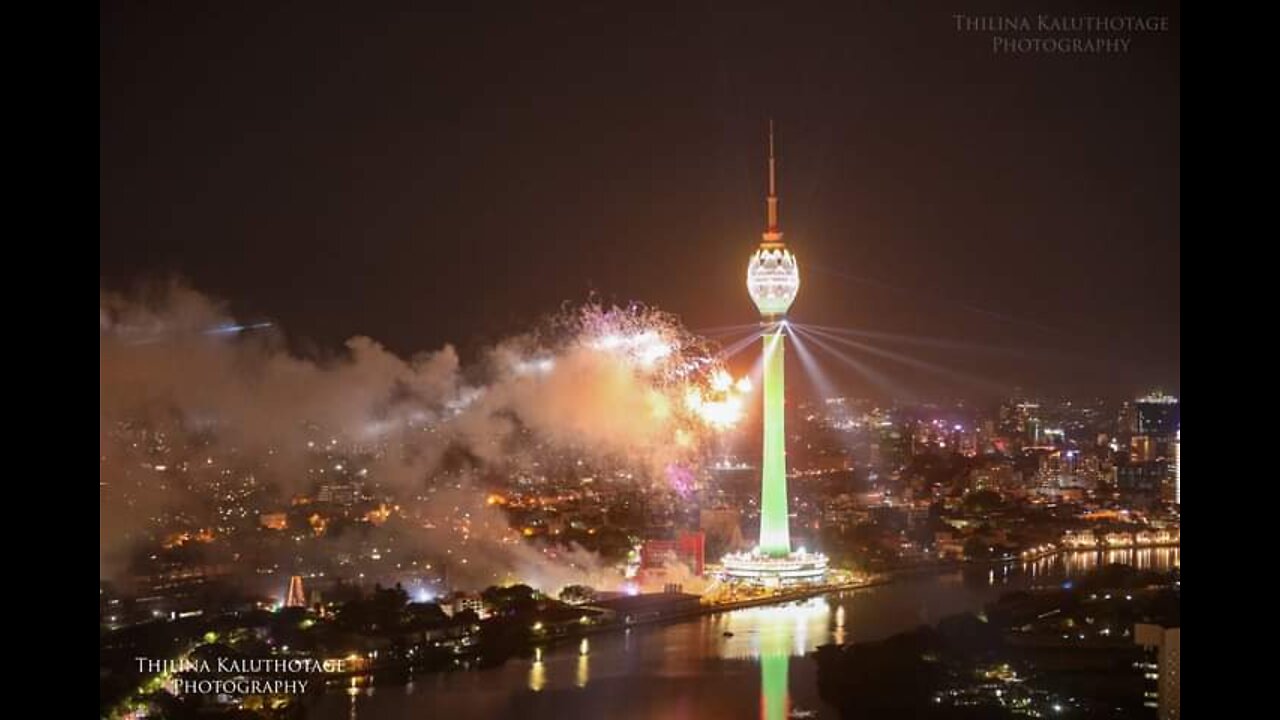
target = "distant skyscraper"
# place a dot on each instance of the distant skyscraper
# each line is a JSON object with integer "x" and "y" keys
{"x": 1177, "y": 467}
{"x": 1156, "y": 414}
{"x": 1142, "y": 448}
{"x": 1141, "y": 482}
{"x": 1166, "y": 645}
{"x": 1126, "y": 421}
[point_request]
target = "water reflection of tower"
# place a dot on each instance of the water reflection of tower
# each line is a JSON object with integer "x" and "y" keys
{"x": 771, "y": 635}
{"x": 775, "y": 702}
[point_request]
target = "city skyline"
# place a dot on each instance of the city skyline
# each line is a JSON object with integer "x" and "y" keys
{"x": 427, "y": 383}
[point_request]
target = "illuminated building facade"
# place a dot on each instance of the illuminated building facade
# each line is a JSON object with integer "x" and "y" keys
{"x": 462, "y": 601}
{"x": 1156, "y": 426}
{"x": 296, "y": 597}
{"x": 1163, "y": 666}
{"x": 1142, "y": 448}
{"x": 773, "y": 279}
{"x": 1156, "y": 414}
{"x": 1141, "y": 483}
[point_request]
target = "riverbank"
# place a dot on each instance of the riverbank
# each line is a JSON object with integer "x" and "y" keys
{"x": 718, "y": 667}
{"x": 1097, "y": 549}
{"x": 480, "y": 655}
{"x": 577, "y": 633}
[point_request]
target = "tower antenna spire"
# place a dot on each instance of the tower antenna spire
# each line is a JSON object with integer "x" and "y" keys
{"x": 773, "y": 188}
{"x": 772, "y": 234}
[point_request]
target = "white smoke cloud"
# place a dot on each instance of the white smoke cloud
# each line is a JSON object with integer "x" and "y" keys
{"x": 173, "y": 355}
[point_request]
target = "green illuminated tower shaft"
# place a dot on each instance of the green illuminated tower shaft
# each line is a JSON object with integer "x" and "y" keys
{"x": 775, "y": 534}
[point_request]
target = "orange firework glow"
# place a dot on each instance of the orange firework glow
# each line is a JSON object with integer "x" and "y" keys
{"x": 378, "y": 515}
{"x": 641, "y": 357}
{"x": 179, "y": 539}
{"x": 722, "y": 405}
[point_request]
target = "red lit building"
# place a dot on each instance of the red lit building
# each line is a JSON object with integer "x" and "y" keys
{"x": 688, "y": 549}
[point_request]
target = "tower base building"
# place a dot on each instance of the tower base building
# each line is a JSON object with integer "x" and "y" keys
{"x": 793, "y": 569}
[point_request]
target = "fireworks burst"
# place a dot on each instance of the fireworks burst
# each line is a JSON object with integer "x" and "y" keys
{"x": 654, "y": 342}
{"x": 690, "y": 391}
{"x": 722, "y": 403}
{"x": 684, "y": 366}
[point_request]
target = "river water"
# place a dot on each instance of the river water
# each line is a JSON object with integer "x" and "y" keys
{"x": 747, "y": 663}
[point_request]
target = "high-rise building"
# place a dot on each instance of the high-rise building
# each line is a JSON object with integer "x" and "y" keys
{"x": 1164, "y": 646}
{"x": 1177, "y": 467}
{"x": 1156, "y": 414}
{"x": 1141, "y": 482}
{"x": 1142, "y": 448}
{"x": 1126, "y": 421}
{"x": 773, "y": 279}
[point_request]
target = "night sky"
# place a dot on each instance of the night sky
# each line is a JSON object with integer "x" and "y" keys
{"x": 424, "y": 177}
